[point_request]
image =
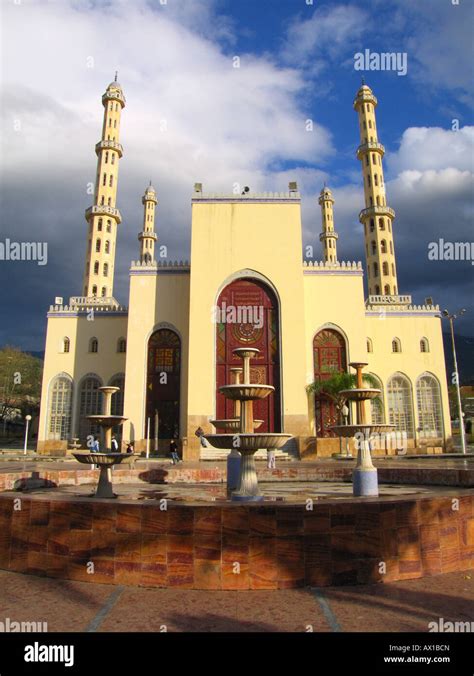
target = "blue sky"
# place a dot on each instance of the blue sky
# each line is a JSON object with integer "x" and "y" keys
{"x": 227, "y": 125}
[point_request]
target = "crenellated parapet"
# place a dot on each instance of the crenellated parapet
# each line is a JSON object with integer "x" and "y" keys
{"x": 328, "y": 266}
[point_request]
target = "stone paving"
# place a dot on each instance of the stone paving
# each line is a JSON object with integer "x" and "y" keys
{"x": 392, "y": 607}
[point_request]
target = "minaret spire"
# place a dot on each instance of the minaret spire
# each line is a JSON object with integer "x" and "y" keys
{"x": 377, "y": 218}
{"x": 103, "y": 216}
{"x": 328, "y": 236}
{"x": 148, "y": 237}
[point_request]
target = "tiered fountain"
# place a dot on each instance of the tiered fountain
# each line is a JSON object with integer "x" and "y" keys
{"x": 106, "y": 459}
{"x": 364, "y": 479}
{"x": 245, "y": 440}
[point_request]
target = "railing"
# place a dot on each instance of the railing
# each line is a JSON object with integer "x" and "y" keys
{"x": 103, "y": 210}
{"x": 389, "y": 300}
{"x": 111, "y": 145}
{"x": 374, "y": 211}
{"x": 371, "y": 145}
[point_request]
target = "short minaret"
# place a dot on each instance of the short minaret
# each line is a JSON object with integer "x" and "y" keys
{"x": 377, "y": 218}
{"x": 148, "y": 237}
{"x": 328, "y": 235}
{"x": 103, "y": 217}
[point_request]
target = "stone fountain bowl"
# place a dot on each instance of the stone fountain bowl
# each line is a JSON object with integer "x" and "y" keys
{"x": 107, "y": 420}
{"x": 249, "y": 442}
{"x": 87, "y": 458}
{"x": 367, "y": 430}
{"x": 360, "y": 394}
{"x": 233, "y": 424}
{"x": 245, "y": 392}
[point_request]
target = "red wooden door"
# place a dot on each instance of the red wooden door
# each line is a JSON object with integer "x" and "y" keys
{"x": 242, "y": 300}
{"x": 329, "y": 357}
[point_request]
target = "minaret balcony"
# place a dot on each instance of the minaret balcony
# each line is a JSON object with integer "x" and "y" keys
{"x": 365, "y": 97}
{"x": 113, "y": 95}
{"x": 370, "y": 147}
{"x": 147, "y": 235}
{"x": 375, "y": 211}
{"x": 329, "y": 234}
{"x": 103, "y": 210}
{"x": 109, "y": 145}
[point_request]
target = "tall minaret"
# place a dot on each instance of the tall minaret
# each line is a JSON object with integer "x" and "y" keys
{"x": 377, "y": 218}
{"x": 148, "y": 237}
{"x": 328, "y": 235}
{"x": 103, "y": 217}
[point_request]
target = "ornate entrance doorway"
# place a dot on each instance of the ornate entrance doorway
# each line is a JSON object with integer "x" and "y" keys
{"x": 163, "y": 379}
{"x": 329, "y": 351}
{"x": 248, "y": 317}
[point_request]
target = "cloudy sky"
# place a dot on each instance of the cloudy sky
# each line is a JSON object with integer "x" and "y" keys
{"x": 192, "y": 116}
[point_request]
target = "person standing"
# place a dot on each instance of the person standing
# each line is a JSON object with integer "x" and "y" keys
{"x": 271, "y": 462}
{"x": 115, "y": 448}
{"x": 174, "y": 452}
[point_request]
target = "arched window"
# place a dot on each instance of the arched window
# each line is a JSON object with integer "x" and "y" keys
{"x": 370, "y": 124}
{"x": 391, "y": 245}
{"x": 117, "y": 403}
{"x": 376, "y": 179}
{"x": 121, "y": 345}
{"x": 109, "y": 201}
{"x": 381, "y": 224}
{"x": 104, "y": 179}
{"x": 113, "y": 158}
{"x": 377, "y": 412}
{"x": 93, "y": 345}
{"x": 376, "y": 270}
{"x": 378, "y": 201}
{"x": 96, "y": 268}
{"x": 400, "y": 409}
{"x": 370, "y": 347}
{"x": 106, "y": 269}
{"x": 90, "y": 403}
{"x": 385, "y": 268}
{"x": 104, "y": 292}
{"x": 60, "y": 408}
{"x": 386, "y": 289}
{"x": 393, "y": 269}
{"x": 424, "y": 345}
{"x": 66, "y": 344}
{"x": 109, "y": 225}
{"x": 163, "y": 383}
{"x": 97, "y": 245}
{"x": 99, "y": 224}
{"x": 102, "y": 200}
{"x": 367, "y": 160}
{"x": 374, "y": 246}
{"x": 377, "y": 290}
{"x": 396, "y": 345}
{"x": 383, "y": 246}
{"x": 428, "y": 401}
{"x": 106, "y": 157}
{"x": 107, "y": 247}
{"x": 111, "y": 180}
{"x": 372, "y": 225}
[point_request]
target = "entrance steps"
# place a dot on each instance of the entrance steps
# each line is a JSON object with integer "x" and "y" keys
{"x": 290, "y": 453}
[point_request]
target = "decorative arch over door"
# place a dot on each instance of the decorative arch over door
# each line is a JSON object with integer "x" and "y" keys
{"x": 244, "y": 299}
{"x": 163, "y": 384}
{"x": 329, "y": 352}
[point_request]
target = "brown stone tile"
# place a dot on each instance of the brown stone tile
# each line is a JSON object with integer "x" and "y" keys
{"x": 180, "y": 550}
{"x": 367, "y": 516}
{"x": 37, "y": 562}
{"x": 342, "y": 518}
{"x": 207, "y": 548}
{"x": 5, "y": 543}
{"x": 180, "y": 521}
{"x": 409, "y": 569}
{"x": 317, "y": 520}
{"x": 129, "y": 518}
{"x": 78, "y": 568}
{"x": 409, "y": 543}
{"x": 154, "y": 520}
{"x": 180, "y": 575}
{"x": 466, "y": 507}
{"x": 431, "y": 562}
{"x": 344, "y": 572}
{"x": 290, "y": 521}
{"x": 291, "y": 562}
{"x": 80, "y": 542}
{"x": 104, "y": 570}
{"x": 450, "y": 559}
{"x": 235, "y": 521}
{"x": 466, "y": 559}
{"x": 58, "y": 542}
{"x": 317, "y": 550}
{"x": 263, "y": 565}
{"x": 153, "y": 574}
{"x": 128, "y": 547}
{"x": 429, "y": 538}
{"x": 18, "y": 560}
{"x": 38, "y": 538}
{"x": 104, "y": 517}
{"x": 39, "y": 513}
{"x": 391, "y": 570}
{"x": 103, "y": 544}
{"x": 59, "y": 515}
{"x": 388, "y": 515}
{"x": 263, "y": 521}
{"x": 19, "y": 538}
{"x": 128, "y": 572}
{"x": 467, "y": 532}
{"x": 20, "y": 518}
{"x": 407, "y": 514}
{"x": 207, "y": 521}
{"x": 369, "y": 571}
{"x": 389, "y": 544}
{"x": 447, "y": 512}
{"x": 153, "y": 547}
{"x": 57, "y": 566}
{"x": 207, "y": 575}
{"x": 81, "y": 516}
{"x": 428, "y": 512}
{"x": 235, "y": 577}
{"x": 449, "y": 534}
{"x": 235, "y": 548}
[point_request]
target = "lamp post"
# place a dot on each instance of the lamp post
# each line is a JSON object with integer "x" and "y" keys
{"x": 27, "y": 418}
{"x": 451, "y": 318}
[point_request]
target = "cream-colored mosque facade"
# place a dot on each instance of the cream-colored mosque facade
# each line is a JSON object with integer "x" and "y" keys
{"x": 247, "y": 283}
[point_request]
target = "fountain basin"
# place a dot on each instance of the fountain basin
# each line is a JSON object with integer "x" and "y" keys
{"x": 233, "y": 424}
{"x": 106, "y": 420}
{"x": 249, "y": 442}
{"x": 361, "y": 394}
{"x": 88, "y": 458}
{"x": 367, "y": 430}
{"x": 243, "y": 392}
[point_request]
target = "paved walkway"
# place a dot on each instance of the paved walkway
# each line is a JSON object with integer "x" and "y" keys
{"x": 394, "y": 607}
